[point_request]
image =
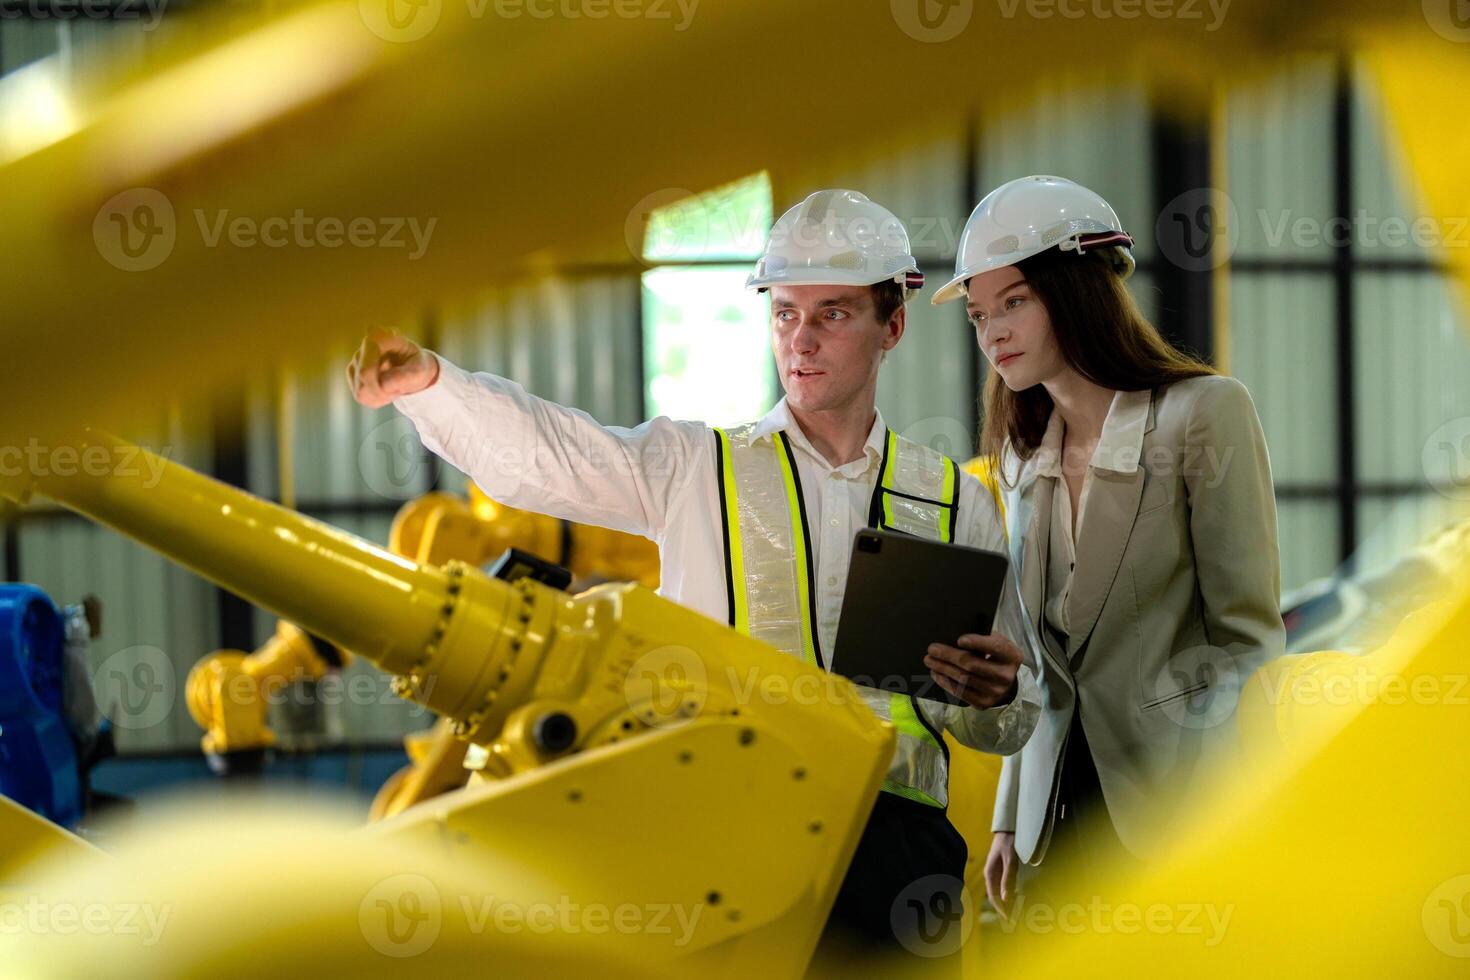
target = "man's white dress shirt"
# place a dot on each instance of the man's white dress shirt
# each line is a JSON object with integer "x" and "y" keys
{"x": 658, "y": 480}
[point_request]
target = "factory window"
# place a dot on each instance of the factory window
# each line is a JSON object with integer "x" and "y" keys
{"x": 706, "y": 348}
{"x": 1343, "y": 325}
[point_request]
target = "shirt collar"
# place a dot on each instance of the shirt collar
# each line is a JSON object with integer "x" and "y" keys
{"x": 1119, "y": 448}
{"x": 779, "y": 419}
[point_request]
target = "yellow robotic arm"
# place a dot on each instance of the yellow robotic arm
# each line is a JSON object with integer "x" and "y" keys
{"x": 640, "y": 753}
{"x": 439, "y": 526}
{"x": 229, "y": 690}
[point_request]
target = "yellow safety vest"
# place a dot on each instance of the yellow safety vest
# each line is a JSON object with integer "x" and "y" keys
{"x": 770, "y": 579}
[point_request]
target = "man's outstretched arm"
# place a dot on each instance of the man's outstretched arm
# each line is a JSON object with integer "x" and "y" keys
{"x": 528, "y": 452}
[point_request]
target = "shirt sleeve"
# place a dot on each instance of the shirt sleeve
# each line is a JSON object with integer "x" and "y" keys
{"x": 1007, "y": 796}
{"x": 1005, "y": 728}
{"x": 536, "y": 455}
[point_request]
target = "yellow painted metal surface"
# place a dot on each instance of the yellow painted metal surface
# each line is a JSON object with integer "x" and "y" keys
{"x": 438, "y": 527}
{"x": 616, "y": 718}
{"x": 28, "y": 835}
{"x": 498, "y": 137}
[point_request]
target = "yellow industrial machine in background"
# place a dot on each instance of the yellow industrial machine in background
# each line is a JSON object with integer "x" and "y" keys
{"x": 438, "y": 526}
{"x": 228, "y": 692}
{"x": 615, "y": 719}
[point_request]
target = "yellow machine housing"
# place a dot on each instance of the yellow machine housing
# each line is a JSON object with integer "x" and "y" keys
{"x": 615, "y": 719}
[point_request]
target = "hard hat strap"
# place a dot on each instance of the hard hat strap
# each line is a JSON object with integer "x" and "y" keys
{"x": 1103, "y": 239}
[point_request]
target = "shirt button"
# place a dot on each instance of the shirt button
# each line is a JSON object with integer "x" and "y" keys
{"x": 834, "y": 522}
{"x": 831, "y": 579}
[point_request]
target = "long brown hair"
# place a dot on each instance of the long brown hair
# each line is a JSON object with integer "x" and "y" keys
{"x": 1101, "y": 333}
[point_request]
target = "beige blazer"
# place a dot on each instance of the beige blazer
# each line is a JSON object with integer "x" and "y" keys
{"x": 1174, "y": 603}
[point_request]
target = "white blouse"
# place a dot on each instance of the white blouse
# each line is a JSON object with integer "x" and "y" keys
{"x": 1061, "y": 558}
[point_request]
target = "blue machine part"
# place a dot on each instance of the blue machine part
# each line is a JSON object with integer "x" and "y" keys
{"x": 38, "y": 760}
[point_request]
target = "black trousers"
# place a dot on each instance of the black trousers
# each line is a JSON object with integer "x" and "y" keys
{"x": 1083, "y": 840}
{"x": 902, "y": 892}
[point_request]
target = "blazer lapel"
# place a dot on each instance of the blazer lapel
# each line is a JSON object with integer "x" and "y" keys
{"x": 1112, "y": 507}
{"x": 1033, "y": 578}
{"x": 1028, "y": 514}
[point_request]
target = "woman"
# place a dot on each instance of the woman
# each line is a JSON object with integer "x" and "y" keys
{"x": 1142, "y": 529}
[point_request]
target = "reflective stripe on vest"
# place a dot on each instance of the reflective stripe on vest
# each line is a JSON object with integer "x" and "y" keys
{"x": 916, "y": 491}
{"x": 770, "y": 573}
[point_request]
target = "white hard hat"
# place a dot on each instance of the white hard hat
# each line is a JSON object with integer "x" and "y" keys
{"x": 837, "y": 237}
{"x": 1028, "y": 216}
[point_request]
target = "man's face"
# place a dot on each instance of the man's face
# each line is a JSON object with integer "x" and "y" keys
{"x": 828, "y": 343}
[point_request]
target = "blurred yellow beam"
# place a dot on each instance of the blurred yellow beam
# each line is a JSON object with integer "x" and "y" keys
{"x": 136, "y": 217}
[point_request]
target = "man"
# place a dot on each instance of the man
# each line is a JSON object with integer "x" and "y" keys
{"x": 755, "y": 524}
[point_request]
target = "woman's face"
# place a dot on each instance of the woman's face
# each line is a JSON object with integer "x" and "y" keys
{"x": 1013, "y": 329}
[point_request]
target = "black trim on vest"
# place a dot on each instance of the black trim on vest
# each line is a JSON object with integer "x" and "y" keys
{"x": 922, "y": 500}
{"x": 938, "y": 735}
{"x": 725, "y": 525}
{"x": 875, "y": 507}
{"x": 954, "y": 508}
{"x": 806, "y": 537}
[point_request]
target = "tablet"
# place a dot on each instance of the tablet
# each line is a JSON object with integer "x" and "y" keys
{"x": 904, "y": 593}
